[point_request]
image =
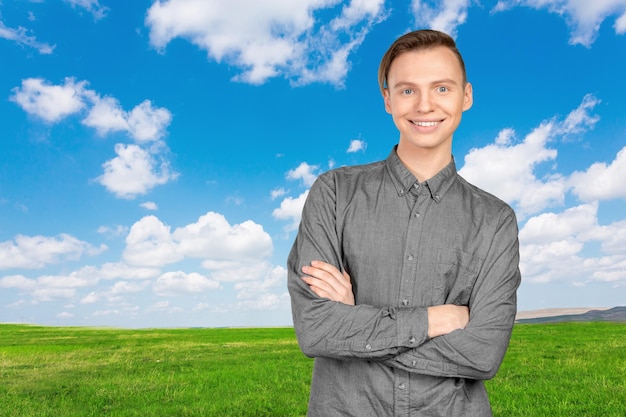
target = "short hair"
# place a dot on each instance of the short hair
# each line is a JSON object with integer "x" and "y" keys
{"x": 412, "y": 41}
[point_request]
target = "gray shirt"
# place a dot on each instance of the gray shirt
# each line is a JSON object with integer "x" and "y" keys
{"x": 406, "y": 245}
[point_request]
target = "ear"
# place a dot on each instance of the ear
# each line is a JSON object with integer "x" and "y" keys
{"x": 468, "y": 97}
{"x": 387, "y": 100}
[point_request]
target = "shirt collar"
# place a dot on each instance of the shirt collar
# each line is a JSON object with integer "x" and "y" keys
{"x": 403, "y": 179}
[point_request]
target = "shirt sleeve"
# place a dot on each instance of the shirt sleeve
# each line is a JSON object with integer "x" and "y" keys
{"x": 476, "y": 352}
{"x": 326, "y": 328}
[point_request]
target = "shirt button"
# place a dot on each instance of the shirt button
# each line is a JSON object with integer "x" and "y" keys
{"x": 402, "y": 386}
{"x": 410, "y": 257}
{"x": 405, "y": 302}
{"x": 412, "y": 340}
{"x": 416, "y": 215}
{"x": 368, "y": 347}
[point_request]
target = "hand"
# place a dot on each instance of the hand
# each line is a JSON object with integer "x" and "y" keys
{"x": 446, "y": 318}
{"x": 326, "y": 281}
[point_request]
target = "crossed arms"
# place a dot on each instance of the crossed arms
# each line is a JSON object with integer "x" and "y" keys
{"x": 326, "y": 281}
{"x": 445, "y": 340}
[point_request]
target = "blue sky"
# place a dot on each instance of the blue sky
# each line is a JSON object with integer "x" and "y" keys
{"x": 155, "y": 156}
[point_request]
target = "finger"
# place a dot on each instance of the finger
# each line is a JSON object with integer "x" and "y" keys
{"x": 322, "y": 288}
{"x": 336, "y": 283}
{"x": 329, "y": 268}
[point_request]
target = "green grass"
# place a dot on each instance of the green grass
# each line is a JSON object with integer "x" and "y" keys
{"x": 568, "y": 370}
{"x": 187, "y": 372}
{"x": 562, "y": 370}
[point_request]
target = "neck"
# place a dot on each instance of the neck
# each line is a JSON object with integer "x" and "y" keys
{"x": 424, "y": 163}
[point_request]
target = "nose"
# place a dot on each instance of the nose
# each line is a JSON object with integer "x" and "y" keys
{"x": 423, "y": 103}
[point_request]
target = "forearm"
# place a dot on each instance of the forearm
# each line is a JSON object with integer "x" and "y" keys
{"x": 327, "y": 328}
{"x": 446, "y": 318}
{"x": 332, "y": 329}
{"x": 477, "y": 350}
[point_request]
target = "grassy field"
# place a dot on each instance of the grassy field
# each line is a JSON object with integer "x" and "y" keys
{"x": 566, "y": 370}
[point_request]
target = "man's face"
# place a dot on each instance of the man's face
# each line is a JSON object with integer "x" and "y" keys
{"x": 426, "y": 96}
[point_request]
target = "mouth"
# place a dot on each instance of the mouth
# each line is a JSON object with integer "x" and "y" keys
{"x": 421, "y": 123}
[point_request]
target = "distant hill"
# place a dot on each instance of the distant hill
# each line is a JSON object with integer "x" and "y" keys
{"x": 615, "y": 314}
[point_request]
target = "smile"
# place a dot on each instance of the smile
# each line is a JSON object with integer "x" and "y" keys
{"x": 425, "y": 124}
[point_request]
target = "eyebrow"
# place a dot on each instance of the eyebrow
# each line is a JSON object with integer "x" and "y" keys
{"x": 436, "y": 82}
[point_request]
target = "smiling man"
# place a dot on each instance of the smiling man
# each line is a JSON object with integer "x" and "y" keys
{"x": 403, "y": 276}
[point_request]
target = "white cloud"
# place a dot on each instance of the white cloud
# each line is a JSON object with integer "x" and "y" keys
{"x": 270, "y": 38}
{"x": 149, "y": 205}
{"x": 92, "y": 6}
{"x": 113, "y": 231}
{"x": 19, "y": 282}
{"x": 53, "y": 294}
{"x": 176, "y": 283}
{"x": 291, "y": 209}
{"x": 356, "y": 145}
{"x": 21, "y": 37}
{"x": 87, "y": 276}
{"x": 236, "y": 270}
{"x": 263, "y": 302}
{"x": 106, "y": 115}
{"x": 552, "y": 248}
{"x": 144, "y": 123}
{"x": 507, "y": 169}
{"x": 63, "y": 286}
{"x": 620, "y": 25}
{"x": 135, "y": 171}
{"x": 38, "y": 97}
{"x": 601, "y": 181}
{"x": 551, "y": 227}
{"x": 150, "y": 243}
{"x": 584, "y": 18}
{"x": 230, "y": 252}
{"x": 580, "y": 120}
{"x": 278, "y": 192}
{"x": 90, "y": 298}
{"x": 614, "y": 241}
{"x": 305, "y": 172}
{"x": 444, "y": 15}
{"x": 50, "y": 102}
{"x": 125, "y": 287}
{"x": 259, "y": 294}
{"x": 213, "y": 238}
{"x": 164, "y": 306}
{"x": 119, "y": 270}
{"x": 38, "y": 251}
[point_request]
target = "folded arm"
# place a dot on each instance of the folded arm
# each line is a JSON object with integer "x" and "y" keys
{"x": 469, "y": 346}
{"x": 333, "y": 329}
{"x": 326, "y": 281}
{"x": 477, "y": 350}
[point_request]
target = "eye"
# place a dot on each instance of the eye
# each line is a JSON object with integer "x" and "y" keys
{"x": 407, "y": 91}
{"x": 442, "y": 89}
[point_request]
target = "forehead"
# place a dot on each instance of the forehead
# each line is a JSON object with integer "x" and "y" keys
{"x": 425, "y": 65}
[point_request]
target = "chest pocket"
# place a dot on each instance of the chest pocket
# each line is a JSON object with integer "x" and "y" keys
{"x": 457, "y": 273}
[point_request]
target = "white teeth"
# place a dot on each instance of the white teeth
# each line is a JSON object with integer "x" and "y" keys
{"x": 426, "y": 124}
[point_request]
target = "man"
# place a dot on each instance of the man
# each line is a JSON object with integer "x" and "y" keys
{"x": 403, "y": 276}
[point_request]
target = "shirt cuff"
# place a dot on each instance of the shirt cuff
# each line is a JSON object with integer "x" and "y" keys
{"x": 412, "y": 326}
